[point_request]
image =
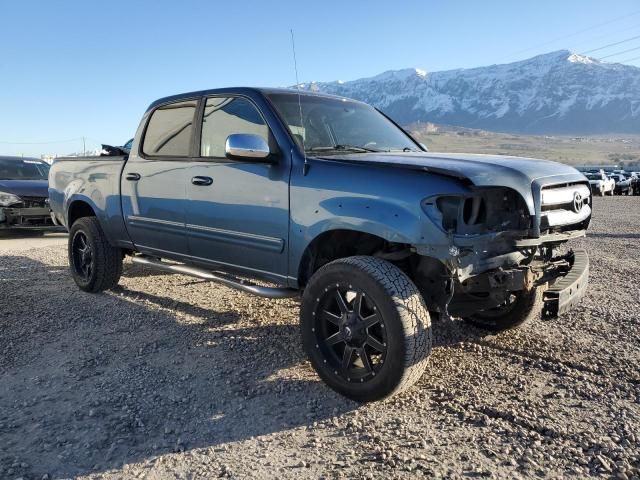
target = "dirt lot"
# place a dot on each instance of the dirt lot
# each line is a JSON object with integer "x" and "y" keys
{"x": 171, "y": 378}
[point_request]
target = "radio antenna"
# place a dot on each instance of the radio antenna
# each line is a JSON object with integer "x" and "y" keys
{"x": 305, "y": 167}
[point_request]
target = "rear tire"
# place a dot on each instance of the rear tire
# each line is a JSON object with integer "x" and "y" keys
{"x": 525, "y": 306}
{"x": 95, "y": 265}
{"x": 365, "y": 327}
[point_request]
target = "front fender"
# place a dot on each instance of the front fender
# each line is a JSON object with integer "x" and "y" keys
{"x": 380, "y": 201}
{"x": 368, "y": 215}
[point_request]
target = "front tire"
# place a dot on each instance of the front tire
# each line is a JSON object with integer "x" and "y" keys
{"x": 95, "y": 265}
{"x": 521, "y": 307}
{"x": 365, "y": 328}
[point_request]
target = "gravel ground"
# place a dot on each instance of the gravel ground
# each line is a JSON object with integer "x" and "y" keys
{"x": 167, "y": 377}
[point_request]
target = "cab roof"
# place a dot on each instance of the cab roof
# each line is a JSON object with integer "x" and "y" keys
{"x": 237, "y": 91}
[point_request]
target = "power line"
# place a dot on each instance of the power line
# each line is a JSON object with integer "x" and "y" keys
{"x": 596, "y": 39}
{"x": 629, "y": 60}
{"x": 611, "y": 45}
{"x": 620, "y": 53}
{"x": 588, "y": 29}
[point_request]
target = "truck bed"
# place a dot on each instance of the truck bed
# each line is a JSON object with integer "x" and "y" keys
{"x": 94, "y": 179}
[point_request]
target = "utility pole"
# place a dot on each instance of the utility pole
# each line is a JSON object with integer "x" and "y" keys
{"x": 84, "y": 148}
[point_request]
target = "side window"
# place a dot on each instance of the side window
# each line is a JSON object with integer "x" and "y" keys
{"x": 224, "y": 116}
{"x": 169, "y": 130}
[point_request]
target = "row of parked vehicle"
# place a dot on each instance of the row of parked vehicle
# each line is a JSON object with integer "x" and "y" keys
{"x": 613, "y": 182}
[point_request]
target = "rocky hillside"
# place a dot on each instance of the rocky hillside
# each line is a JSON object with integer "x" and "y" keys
{"x": 559, "y": 92}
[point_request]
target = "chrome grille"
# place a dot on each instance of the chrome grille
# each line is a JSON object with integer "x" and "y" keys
{"x": 564, "y": 206}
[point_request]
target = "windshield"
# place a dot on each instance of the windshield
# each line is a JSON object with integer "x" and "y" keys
{"x": 23, "y": 170}
{"x": 594, "y": 176}
{"x": 334, "y": 125}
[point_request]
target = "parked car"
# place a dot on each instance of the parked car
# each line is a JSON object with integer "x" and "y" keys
{"x": 24, "y": 203}
{"x": 623, "y": 184}
{"x": 600, "y": 183}
{"x": 635, "y": 183}
{"x": 328, "y": 198}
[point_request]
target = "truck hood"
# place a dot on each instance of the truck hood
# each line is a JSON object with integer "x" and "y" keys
{"x": 525, "y": 175}
{"x": 27, "y": 188}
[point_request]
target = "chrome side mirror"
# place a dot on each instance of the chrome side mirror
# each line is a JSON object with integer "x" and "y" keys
{"x": 246, "y": 146}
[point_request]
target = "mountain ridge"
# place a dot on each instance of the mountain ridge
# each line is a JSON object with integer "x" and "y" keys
{"x": 559, "y": 92}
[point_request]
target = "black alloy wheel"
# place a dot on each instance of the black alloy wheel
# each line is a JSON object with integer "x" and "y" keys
{"x": 82, "y": 255}
{"x": 350, "y": 332}
{"x": 365, "y": 328}
{"x": 94, "y": 263}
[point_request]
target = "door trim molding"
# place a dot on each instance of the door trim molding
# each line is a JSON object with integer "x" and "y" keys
{"x": 260, "y": 242}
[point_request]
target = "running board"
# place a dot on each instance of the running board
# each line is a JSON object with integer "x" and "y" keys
{"x": 268, "y": 292}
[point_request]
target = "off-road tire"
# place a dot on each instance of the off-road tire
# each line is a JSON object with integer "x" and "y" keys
{"x": 403, "y": 314}
{"x": 528, "y": 306}
{"x": 107, "y": 260}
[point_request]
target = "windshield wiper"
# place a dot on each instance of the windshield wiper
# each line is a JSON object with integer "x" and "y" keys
{"x": 405, "y": 149}
{"x": 339, "y": 147}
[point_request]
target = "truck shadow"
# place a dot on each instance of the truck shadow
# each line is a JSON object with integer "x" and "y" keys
{"x": 95, "y": 381}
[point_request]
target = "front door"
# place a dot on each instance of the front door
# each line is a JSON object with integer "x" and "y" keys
{"x": 238, "y": 211}
{"x": 154, "y": 182}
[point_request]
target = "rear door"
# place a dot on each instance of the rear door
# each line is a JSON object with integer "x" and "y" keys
{"x": 238, "y": 211}
{"x": 154, "y": 181}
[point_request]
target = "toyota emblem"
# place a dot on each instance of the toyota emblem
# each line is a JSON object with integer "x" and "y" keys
{"x": 577, "y": 202}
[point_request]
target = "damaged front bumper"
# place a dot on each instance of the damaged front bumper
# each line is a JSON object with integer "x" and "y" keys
{"x": 27, "y": 218}
{"x": 564, "y": 281}
{"x": 566, "y": 291}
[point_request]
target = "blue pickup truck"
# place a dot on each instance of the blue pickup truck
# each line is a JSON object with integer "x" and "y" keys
{"x": 328, "y": 199}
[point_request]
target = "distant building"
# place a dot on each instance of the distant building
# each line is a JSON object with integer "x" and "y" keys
{"x": 49, "y": 158}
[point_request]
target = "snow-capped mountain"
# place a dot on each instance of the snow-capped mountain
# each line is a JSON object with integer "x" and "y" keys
{"x": 559, "y": 92}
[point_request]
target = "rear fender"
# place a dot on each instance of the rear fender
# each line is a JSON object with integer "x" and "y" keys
{"x": 111, "y": 225}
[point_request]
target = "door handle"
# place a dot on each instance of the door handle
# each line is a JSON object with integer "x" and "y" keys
{"x": 133, "y": 177}
{"x": 202, "y": 181}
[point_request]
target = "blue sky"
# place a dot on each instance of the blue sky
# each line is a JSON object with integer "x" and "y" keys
{"x": 80, "y": 68}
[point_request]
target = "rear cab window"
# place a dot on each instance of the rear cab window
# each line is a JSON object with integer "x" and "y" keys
{"x": 169, "y": 130}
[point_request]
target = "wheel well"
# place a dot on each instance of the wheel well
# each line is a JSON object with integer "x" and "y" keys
{"x": 335, "y": 244}
{"x": 79, "y": 209}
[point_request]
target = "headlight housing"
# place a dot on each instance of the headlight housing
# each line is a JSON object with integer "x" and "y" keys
{"x": 8, "y": 199}
{"x": 480, "y": 211}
